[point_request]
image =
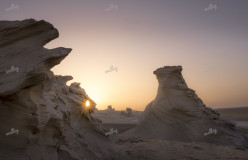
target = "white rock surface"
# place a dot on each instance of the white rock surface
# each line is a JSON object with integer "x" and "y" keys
{"x": 177, "y": 113}
{"x": 52, "y": 120}
{"x": 24, "y": 62}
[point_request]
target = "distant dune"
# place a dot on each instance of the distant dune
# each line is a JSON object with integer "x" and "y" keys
{"x": 236, "y": 114}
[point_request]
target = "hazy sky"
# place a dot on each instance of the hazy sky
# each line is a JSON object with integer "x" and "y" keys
{"x": 139, "y": 36}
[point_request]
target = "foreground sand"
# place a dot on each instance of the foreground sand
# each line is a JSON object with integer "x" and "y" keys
{"x": 155, "y": 149}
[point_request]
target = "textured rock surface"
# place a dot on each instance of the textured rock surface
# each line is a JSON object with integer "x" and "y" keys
{"x": 177, "y": 113}
{"x": 51, "y": 124}
{"x": 24, "y": 62}
{"x": 51, "y": 119}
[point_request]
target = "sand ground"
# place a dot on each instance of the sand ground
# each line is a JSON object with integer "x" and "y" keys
{"x": 156, "y": 149}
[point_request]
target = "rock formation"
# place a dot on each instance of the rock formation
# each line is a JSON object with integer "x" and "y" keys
{"x": 24, "y": 62}
{"x": 42, "y": 118}
{"x": 177, "y": 113}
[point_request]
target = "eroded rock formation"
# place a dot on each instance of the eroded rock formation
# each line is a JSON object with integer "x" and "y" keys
{"x": 49, "y": 119}
{"x": 177, "y": 113}
{"x": 24, "y": 62}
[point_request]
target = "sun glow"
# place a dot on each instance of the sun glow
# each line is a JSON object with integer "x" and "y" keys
{"x": 87, "y": 103}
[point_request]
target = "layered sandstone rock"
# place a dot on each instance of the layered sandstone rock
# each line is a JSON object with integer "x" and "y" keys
{"x": 177, "y": 113}
{"x": 41, "y": 118}
{"x": 24, "y": 62}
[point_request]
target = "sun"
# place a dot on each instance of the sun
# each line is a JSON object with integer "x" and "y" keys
{"x": 88, "y": 107}
{"x": 87, "y": 103}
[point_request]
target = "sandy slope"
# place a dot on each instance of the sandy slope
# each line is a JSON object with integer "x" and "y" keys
{"x": 155, "y": 149}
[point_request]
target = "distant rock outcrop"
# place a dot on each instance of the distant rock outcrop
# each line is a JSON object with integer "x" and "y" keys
{"x": 177, "y": 113}
{"x": 40, "y": 116}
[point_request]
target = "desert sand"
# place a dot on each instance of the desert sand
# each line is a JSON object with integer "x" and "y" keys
{"x": 237, "y": 114}
{"x": 139, "y": 148}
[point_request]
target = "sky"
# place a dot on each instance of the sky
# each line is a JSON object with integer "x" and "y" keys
{"x": 209, "y": 38}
